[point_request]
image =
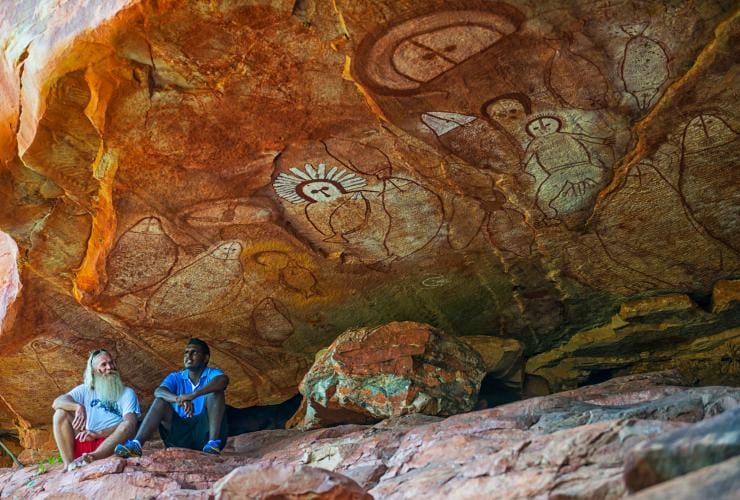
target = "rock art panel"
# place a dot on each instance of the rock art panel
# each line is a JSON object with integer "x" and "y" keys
{"x": 416, "y": 51}
{"x": 709, "y": 176}
{"x": 490, "y": 110}
{"x": 290, "y": 273}
{"x": 568, "y": 174}
{"x": 228, "y": 212}
{"x": 358, "y": 207}
{"x": 435, "y": 202}
{"x": 271, "y": 321}
{"x": 576, "y": 81}
{"x": 142, "y": 257}
{"x": 644, "y": 66}
{"x": 207, "y": 283}
{"x": 475, "y": 140}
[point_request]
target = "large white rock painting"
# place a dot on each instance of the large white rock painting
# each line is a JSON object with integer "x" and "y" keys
{"x": 421, "y": 49}
{"x": 316, "y": 185}
{"x": 644, "y": 66}
{"x": 334, "y": 203}
{"x": 567, "y": 173}
{"x": 143, "y": 256}
{"x": 380, "y": 222}
{"x": 209, "y": 282}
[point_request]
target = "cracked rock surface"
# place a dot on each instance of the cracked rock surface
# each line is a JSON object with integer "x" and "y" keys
{"x": 512, "y": 451}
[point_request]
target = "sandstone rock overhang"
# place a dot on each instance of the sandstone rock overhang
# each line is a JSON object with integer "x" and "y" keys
{"x": 266, "y": 175}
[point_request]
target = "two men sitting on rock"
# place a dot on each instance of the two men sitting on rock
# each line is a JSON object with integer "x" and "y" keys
{"x": 189, "y": 407}
{"x": 91, "y": 419}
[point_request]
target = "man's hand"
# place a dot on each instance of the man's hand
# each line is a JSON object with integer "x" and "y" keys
{"x": 85, "y": 436}
{"x": 80, "y": 420}
{"x": 184, "y": 400}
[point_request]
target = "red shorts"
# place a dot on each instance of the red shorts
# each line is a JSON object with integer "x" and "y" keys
{"x": 87, "y": 446}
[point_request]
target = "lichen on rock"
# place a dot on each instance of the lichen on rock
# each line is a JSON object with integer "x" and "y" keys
{"x": 401, "y": 368}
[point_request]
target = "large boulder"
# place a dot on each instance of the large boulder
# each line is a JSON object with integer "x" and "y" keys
{"x": 718, "y": 482}
{"x": 683, "y": 450}
{"x": 396, "y": 369}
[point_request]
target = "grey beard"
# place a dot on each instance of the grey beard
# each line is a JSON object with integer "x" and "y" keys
{"x": 108, "y": 387}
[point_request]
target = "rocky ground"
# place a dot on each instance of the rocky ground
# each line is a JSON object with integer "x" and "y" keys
{"x": 644, "y": 435}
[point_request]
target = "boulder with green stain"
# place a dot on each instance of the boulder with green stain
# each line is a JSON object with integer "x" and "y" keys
{"x": 401, "y": 368}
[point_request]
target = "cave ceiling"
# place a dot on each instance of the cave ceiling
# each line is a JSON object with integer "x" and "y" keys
{"x": 265, "y": 175}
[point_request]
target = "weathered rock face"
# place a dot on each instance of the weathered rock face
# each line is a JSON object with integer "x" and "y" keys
{"x": 9, "y": 280}
{"x": 266, "y": 175}
{"x": 659, "y": 332}
{"x": 397, "y": 369}
{"x": 296, "y": 482}
{"x": 683, "y": 451}
{"x": 580, "y": 453}
{"x": 720, "y": 482}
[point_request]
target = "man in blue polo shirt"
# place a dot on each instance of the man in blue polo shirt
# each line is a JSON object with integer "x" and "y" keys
{"x": 189, "y": 407}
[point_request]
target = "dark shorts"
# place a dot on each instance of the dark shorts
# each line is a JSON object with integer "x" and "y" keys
{"x": 190, "y": 432}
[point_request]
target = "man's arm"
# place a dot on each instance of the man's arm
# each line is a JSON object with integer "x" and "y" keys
{"x": 66, "y": 403}
{"x": 162, "y": 392}
{"x": 93, "y": 435}
{"x": 218, "y": 384}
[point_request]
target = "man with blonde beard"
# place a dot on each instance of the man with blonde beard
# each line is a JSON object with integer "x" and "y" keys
{"x": 91, "y": 419}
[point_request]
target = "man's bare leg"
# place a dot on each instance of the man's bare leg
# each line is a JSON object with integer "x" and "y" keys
{"x": 216, "y": 407}
{"x": 159, "y": 413}
{"x": 64, "y": 435}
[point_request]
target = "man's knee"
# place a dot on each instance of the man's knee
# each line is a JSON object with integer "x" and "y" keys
{"x": 159, "y": 405}
{"x": 61, "y": 416}
{"x": 159, "y": 401}
{"x": 215, "y": 397}
{"x": 127, "y": 428}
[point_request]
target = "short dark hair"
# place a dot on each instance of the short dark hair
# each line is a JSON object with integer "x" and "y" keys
{"x": 200, "y": 344}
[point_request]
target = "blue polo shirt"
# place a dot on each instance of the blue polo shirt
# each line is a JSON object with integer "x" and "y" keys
{"x": 179, "y": 383}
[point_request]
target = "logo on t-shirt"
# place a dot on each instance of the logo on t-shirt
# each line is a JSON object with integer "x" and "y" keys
{"x": 109, "y": 406}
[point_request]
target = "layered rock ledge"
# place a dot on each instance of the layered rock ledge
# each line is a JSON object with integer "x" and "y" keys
{"x": 577, "y": 444}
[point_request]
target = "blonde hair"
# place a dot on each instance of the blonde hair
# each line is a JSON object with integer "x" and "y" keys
{"x": 88, "y": 377}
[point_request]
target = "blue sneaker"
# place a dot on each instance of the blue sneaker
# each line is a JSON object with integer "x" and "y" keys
{"x": 213, "y": 447}
{"x": 129, "y": 449}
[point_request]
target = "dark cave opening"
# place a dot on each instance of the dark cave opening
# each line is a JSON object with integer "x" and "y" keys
{"x": 495, "y": 392}
{"x": 258, "y": 418}
{"x": 599, "y": 376}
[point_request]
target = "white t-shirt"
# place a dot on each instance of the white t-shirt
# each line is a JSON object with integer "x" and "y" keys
{"x": 100, "y": 415}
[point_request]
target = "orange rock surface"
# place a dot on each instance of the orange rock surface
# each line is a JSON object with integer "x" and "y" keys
{"x": 266, "y": 175}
